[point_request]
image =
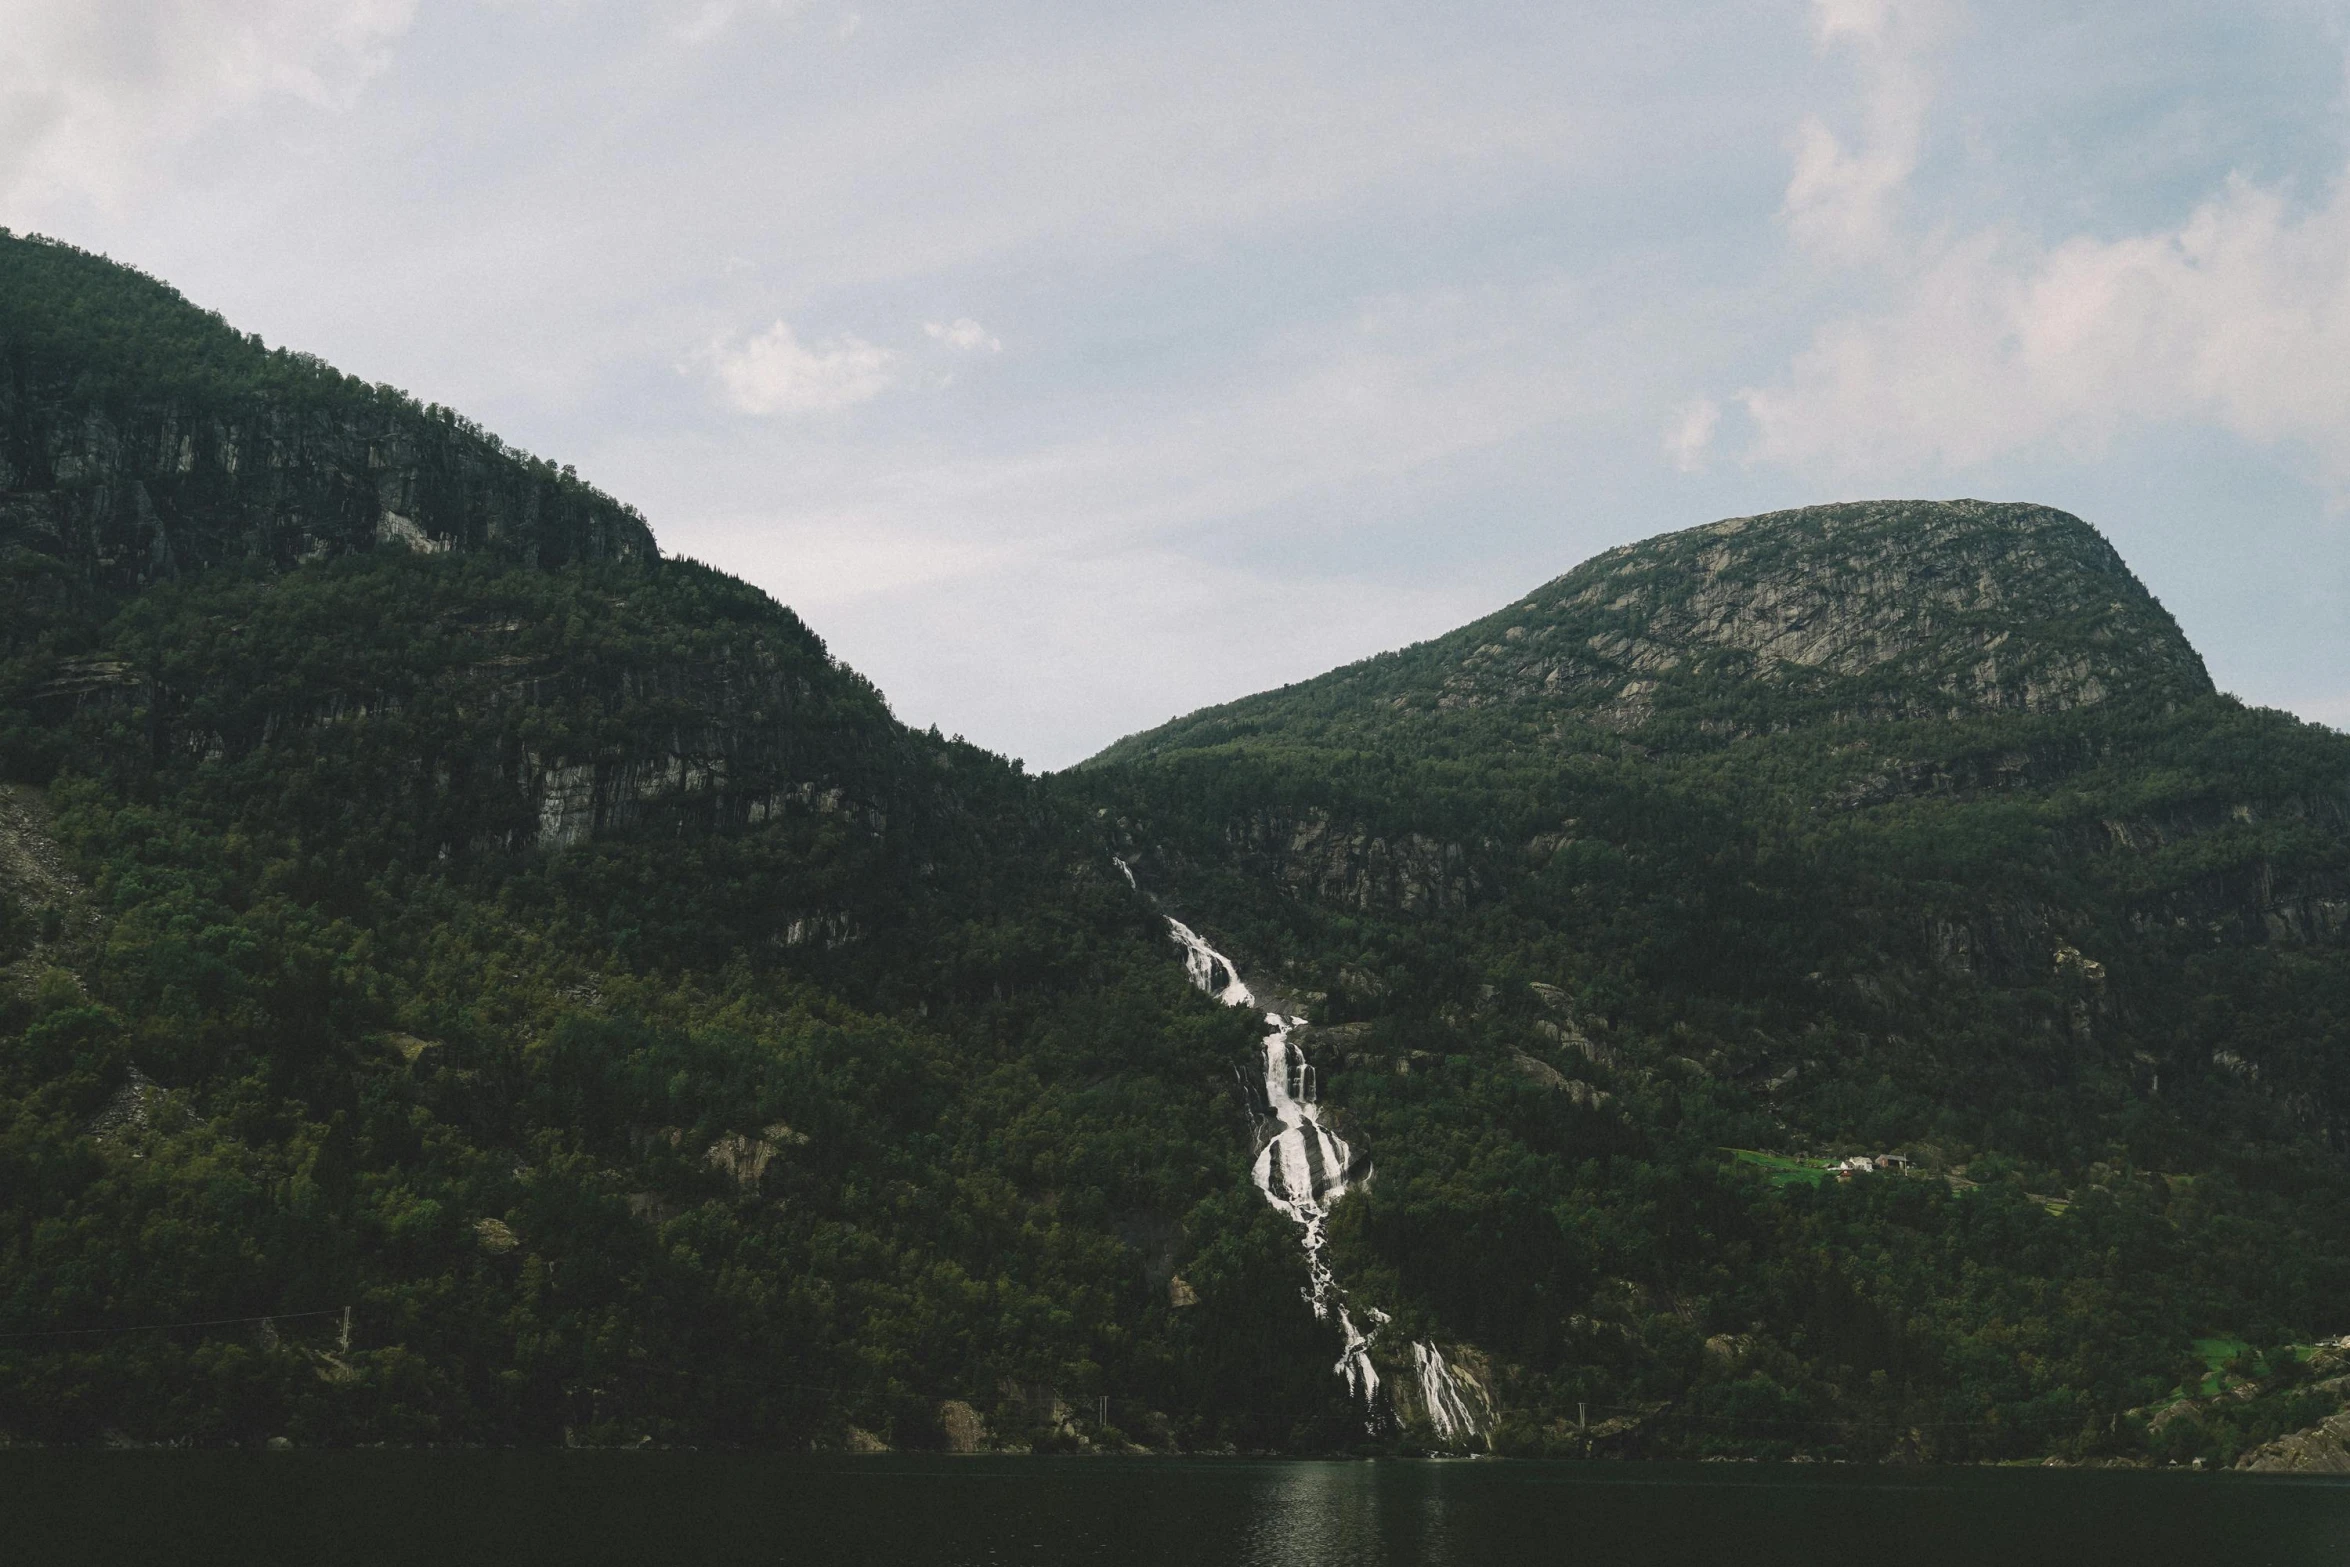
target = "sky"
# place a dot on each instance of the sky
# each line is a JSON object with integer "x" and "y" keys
{"x": 1070, "y": 367}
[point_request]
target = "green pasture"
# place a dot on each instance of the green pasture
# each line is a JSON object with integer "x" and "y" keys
{"x": 2217, "y": 1350}
{"x": 1782, "y": 1170}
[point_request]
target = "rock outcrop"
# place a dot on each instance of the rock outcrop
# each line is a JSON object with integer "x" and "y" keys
{"x": 1895, "y": 609}
{"x": 2323, "y": 1449}
{"x": 1349, "y": 864}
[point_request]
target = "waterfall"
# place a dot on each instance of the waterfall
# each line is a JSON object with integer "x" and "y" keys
{"x": 1303, "y": 1171}
{"x": 1305, "y": 1167}
{"x": 1456, "y": 1407}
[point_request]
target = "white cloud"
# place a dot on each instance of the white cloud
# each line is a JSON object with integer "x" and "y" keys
{"x": 2240, "y": 316}
{"x": 774, "y": 373}
{"x": 1842, "y": 199}
{"x": 1691, "y": 432}
{"x": 1989, "y": 341}
{"x": 964, "y": 335}
{"x": 94, "y": 94}
{"x": 1323, "y": 299}
{"x": 713, "y": 17}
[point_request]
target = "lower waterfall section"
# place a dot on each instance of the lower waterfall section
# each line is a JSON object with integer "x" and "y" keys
{"x": 1303, "y": 1169}
{"x": 1456, "y": 1408}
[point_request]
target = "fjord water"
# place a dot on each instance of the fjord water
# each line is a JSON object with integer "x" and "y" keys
{"x": 391, "y": 1509}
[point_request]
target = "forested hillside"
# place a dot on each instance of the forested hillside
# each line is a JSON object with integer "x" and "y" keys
{"x": 554, "y": 957}
{"x": 1903, "y": 828}
{"x": 467, "y": 978}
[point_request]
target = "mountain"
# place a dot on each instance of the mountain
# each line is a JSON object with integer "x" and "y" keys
{"x": 1842, "y": 614}
{"x": 1903, "y": 828}
{"x": 466, "y": 977}
{"x": 142, "y": 438}
{"x": 508, "y": 986}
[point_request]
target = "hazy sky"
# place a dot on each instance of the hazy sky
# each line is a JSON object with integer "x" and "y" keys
{"x": 1073, "y": 366}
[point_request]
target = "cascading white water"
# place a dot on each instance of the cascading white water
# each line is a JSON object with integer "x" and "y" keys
{"x": 1303, "y": 1169}
{"x": 1447, "y": 1394}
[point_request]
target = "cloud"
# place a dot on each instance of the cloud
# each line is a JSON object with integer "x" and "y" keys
{"x": 2240, "y": 316}
{"x": 713, "y": 17}
{"x": 94, "y": 94}
{"x": 1842, "y": 199}
{"x": 1988, "y": 341}
{"x": 1691, "y": 432}
{"x": 774, "y": 373}
{"x": 964, "y": 335}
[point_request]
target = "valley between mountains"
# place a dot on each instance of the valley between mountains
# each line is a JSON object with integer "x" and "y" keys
{"x": 467, "y": 978}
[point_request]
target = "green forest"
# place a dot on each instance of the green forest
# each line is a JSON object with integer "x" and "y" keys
{"x": 466, "y": 978}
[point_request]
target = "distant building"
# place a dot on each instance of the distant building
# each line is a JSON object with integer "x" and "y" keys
{"x": 1868, "y": 1164}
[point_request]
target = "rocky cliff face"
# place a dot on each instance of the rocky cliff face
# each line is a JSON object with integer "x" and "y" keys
{"x": 1848, "y": 613}
{"x": 498, "y": 710}
{"x": 142, "y": 438}
{"x": 143, "y": 441}
{"x": 1895, "y": 609}
{"x": 2322, "y": 1449}
{"x": 134, "y": 493}
{"x": 1349, "y": 865}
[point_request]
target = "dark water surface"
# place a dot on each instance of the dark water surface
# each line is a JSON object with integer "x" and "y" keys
{"x": 745, "y": 1511}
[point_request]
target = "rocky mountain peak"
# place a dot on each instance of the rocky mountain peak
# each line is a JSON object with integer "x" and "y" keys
{"x": 1878, "y": 608}
{"x": 1860, "y": 611}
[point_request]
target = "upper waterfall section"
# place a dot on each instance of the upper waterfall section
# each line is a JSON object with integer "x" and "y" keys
{"x": 142, "y": 438}
{"x": 1857, "y": 612}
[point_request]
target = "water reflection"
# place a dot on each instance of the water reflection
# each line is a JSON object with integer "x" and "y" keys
{"x": 1345, "y": 1514}
{"x": 1317, "y": 1515}
{"x": 746, "y": 1510}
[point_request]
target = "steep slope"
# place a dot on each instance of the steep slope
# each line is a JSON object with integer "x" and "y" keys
{"x": 142, "y": 437}
{"x": 466, "y": 978}
{"x": 1907, "y": 828}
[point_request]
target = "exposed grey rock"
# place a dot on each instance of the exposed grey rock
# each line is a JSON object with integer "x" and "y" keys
{"x": 129, "y": 1110}
{"x": 2322, "y": 1449}
{"x": 1949, "y": 604}
{"x": 1350, "y": 865}
{"x": 1537, "y": 1071}
{"x": 965, "y": 1431}
{"x": 1851, "y": 613}
{"x": 745, "y": 1158}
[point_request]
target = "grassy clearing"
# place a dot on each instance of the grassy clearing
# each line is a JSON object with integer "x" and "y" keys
{"x": 2218, "y": 1350}
{"x": 1782, "y": 1170}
